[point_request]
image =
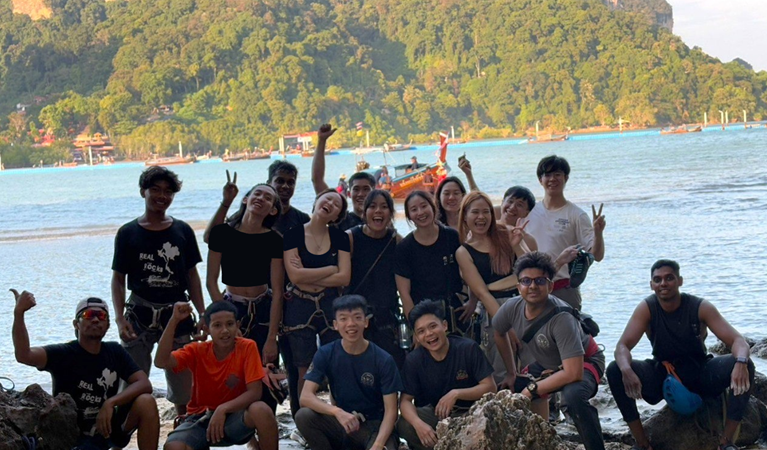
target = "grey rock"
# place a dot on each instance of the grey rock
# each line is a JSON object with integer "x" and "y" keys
{"x": 53, "y": 420}
{"x": 499, "y": 421}
{"x": 758, "y": 347}
{"x": 670, "y": 431}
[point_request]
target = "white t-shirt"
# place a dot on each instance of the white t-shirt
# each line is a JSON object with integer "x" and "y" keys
{"x": 557, "y": 229}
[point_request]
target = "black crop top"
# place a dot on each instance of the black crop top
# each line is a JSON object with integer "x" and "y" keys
{"x": 485, "y": 268}
{"x": 339, "y": 241}
{"x": 245, "y": 258}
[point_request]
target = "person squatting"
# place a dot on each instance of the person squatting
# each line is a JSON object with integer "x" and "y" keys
{"x": 489, "y": 293}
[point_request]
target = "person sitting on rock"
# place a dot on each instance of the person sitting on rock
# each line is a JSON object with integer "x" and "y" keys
{"x": 560, "y": 356}
{"x": 364, "y": 382}
{"x": 226, "y": 383}
{"x": 676, "y": 325}
{"x": 445, "y": 375}
{"x": 89, "y": 370}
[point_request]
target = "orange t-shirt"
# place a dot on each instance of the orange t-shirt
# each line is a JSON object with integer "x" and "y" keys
{"x": 216, "y": 382}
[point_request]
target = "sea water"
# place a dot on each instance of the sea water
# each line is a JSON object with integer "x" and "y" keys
{"x": 699, "y": 198}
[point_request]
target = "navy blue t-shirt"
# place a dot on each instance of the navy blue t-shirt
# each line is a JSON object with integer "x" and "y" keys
{"x": 428, "y": 380}
{"x": 357, "y": 382}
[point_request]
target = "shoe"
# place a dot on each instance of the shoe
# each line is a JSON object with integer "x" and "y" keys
{"x": 579, "y": 267}
{"x": 298, "y": 437}
{"x": 728, "y": 446}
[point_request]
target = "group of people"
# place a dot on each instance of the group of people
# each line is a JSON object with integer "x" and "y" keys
{"x": 487, "y": 291}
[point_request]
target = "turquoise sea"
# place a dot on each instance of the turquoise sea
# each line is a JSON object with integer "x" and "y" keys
{"x": 699, "y": 198}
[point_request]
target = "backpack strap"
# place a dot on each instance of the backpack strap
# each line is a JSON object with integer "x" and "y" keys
{"x": 538, "y": 324}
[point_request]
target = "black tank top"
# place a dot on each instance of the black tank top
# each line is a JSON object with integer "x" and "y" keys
{"x": 379, "y": 288}
{"x": 676, "y": 336}
{"x": 485, "y": 269}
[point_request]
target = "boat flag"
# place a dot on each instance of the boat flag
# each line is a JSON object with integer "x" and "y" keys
{"x": 360, "y": 125}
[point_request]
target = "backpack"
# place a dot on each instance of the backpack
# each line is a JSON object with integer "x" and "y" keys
{"x": 588, "y": 324}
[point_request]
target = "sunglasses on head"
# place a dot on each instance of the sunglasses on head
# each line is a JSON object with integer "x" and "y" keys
{"x": 540, "y": 281}
{"x": 89, "y": 314}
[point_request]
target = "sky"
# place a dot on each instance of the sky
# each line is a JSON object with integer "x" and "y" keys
{"x": 725, "y": 29}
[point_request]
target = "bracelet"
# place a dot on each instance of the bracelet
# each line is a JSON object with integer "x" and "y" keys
{"x": 225, "y": 206}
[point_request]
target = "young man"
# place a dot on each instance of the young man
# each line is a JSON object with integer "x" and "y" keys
{"x": 158, "y": 254}
{"x": 558, "y": 225}
{"x": 559, "y": 343}
{"x": 676, "y": 325}
{"x": 360, "y": 183}
{"x": 444, "y": 375}
{"x": 89, "y": 369}
{"x": 364, "y": 381}
{"x": 225, "y": 407}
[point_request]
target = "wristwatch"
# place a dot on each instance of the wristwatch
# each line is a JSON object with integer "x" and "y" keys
{"x": 741, "y": 360}
{"x": 532, "y": 386}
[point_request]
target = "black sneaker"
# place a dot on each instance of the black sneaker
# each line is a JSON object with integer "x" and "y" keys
{"x": 579, "y": 267}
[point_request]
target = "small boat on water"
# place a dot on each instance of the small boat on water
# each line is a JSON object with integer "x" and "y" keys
{"x": 172, "y": 160}
{"x": 681, "y": 130}
{"x": 543, "y": 138}
{"x": 398, "y": 147}
{"x": 425, "y": 177}
{"x": 245, "y": 156}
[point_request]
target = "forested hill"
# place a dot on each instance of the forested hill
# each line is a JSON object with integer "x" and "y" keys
{"x": 239, "y": 73}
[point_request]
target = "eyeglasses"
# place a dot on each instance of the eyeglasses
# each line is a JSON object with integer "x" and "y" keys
{"x": 89, "y": 314}
{"x": 539, "y": 281}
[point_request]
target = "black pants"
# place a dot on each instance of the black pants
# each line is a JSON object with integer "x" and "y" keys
{"x": 576, "y": 395}
{"x": 385, "y": 336}
{"x": 709, "y": 378}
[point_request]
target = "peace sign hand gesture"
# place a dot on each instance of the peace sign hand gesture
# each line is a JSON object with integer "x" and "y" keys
{"x": 230, "y": 189}
{"x": 598, "y": 220}
{"x": 518, "y": 232}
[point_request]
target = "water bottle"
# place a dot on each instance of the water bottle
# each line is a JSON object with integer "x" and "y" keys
{"x": 405, "y": 335}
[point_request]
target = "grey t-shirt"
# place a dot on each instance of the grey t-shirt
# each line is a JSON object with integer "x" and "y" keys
{"x": 560, "y": 338}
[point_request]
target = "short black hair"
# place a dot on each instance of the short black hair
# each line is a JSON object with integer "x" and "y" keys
{"x": 363, "y": 176}
{"x": 552, "y": 163}
{"x": 281, "y": 166}
{"x": 154, "y": 174}
{"x": 217, "y": 307}
{"x": 350, "y": 303}
{"x": 427, "y": 307}
{"x": 535, "y": 260}
{"x": 665, "y": 263}
{"x": 521, "y": 193}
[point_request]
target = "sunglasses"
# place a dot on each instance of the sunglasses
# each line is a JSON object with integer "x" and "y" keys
{"x": 89, "y": 314}
{"x": 539, "y": 281}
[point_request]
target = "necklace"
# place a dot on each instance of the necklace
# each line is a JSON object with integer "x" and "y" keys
{"x": 318, "y": 245}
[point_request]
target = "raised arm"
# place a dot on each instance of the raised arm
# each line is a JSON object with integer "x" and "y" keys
{"x": 599, "y": 223}
{"x": 230, "y": 194}
{"x": 163, "y": 358}
{"x": 211, "y": 277}
{"x": 465, "y": 166}
{"x": 318, "y": 162}
{"x": 30, "y": 356}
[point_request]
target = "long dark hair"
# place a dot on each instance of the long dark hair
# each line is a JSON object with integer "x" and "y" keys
{"x": 235, "y": 219}
{"x": 424, "y": 195}
{"x": 442, "y": 214}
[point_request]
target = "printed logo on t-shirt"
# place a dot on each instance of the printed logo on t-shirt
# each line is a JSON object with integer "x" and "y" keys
{"x": 448, "y": 259}
{"x": 311, "y": 367}
{"x": 160, "y": 267}
{"x": 461, "y": 375}
{"x": 367, "y": 379}
{"x": 562, "y": 223}
{"x": 542, "y": 341}
{"x": 233, "y": 381}
{"x": 107, "y": 380}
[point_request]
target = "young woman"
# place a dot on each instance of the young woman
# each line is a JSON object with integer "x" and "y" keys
{"x": 318, "y": 263}
{"x": 248, "y": 254}
{"x": 373, "y": 247}
{"x": 486, "y": 260}
{"x": 449, "y": 195}
{"x": 426, "y": 267}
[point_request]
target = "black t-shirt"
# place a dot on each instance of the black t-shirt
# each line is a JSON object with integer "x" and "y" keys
{"x": 428, "y": 380}
{"x": 156, "y": 262}
{"x": 245, "y": 258}
{"x": 379, "y": 288}
{"x": 350, "y": 221}
{"x": 339, "y": 241}
{"x": 89, "y": 379}
{"x": 292, "y": 218}
{"x": 432, "y": 270}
